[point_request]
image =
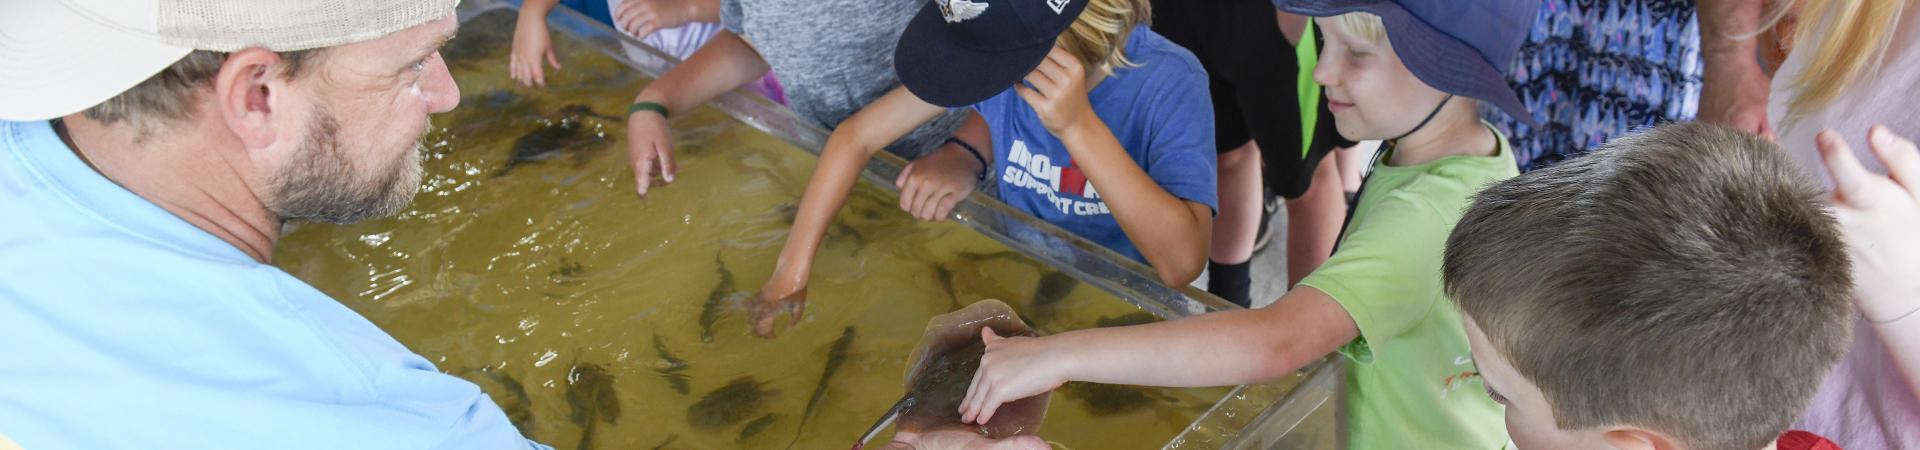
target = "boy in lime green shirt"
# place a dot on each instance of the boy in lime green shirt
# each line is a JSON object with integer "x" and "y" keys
{"x": 1378, "y": 301}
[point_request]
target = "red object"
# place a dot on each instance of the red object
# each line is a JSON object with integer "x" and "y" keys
{"x": 1801, "y": 440}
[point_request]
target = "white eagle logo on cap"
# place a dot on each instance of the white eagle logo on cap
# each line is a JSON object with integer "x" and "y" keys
{"x": 957, "y": 11}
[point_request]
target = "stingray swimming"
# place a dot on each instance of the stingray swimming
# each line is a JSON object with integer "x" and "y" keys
{"x": 576, "y": 131}
{"x": 942, "y": 368}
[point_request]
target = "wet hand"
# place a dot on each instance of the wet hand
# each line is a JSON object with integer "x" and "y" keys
{"x": 1059, "y": 92}
{"x": 956, "y": 438}
{"x": 1011, "y": 369}
{"x": 933, "y": 184}
{"x": 775, "y": 300}
{"x": 531, "y": 45}
{"x": 649, "y": 149}
{"x": 641, "y": 18}
{"x": 1877, "y": 216}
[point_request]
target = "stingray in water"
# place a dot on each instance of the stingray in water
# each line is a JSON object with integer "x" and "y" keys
{"x": 942, "y": 368}
{"x": 728, "y": 405}
{"x": 592, "y": 400}
{"x": 575, "y": 130}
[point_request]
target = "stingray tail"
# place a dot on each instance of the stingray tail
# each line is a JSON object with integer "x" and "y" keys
{"x": 893, "y": 413}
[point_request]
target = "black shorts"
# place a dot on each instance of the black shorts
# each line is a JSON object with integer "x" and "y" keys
{"x": 1252, "y": 73}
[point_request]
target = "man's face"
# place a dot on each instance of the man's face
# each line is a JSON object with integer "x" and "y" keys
{"x": 359, "y": 116}
{"x": 1530, "y": 421}
{"x": 1370, "y": 93}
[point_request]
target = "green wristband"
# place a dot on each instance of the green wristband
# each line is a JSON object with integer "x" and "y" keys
{"x": 647, "y": 106}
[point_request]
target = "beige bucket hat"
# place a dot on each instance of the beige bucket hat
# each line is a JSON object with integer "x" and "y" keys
{"x": 58, "y": 57}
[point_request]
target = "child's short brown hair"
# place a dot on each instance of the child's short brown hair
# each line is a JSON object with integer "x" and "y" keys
{"x": 1686, "y": 279}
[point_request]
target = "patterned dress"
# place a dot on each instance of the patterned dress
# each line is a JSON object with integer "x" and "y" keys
{"x": 1593, "y": 69}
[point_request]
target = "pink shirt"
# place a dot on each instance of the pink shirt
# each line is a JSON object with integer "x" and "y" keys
{"x": 1865, "y": 404}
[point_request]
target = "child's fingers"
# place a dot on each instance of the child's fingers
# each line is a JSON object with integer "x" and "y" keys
{"x": 643, "y": 174}
{"x": 947, "y": 203}
{"x": 987, "y": 408}
{"x": 1850, "y": 180}
{"x": 1898, "y": 154}
{"x": 1039, "y": 83}
{"x": 551, "y": 59}
{"x": 1041, "y": 74}
{"x": 973, "y": 396}
{"x": 626, "y": 8}
{"x": 667, "y": 167}
{"x": 1054, "y": 70}
{"x": 1033, "y": 98}
{"x": 905, "y": 173}
{"x": 1064, "y": 60}
{"x": 909, "y": 193}
{"x": 930, "y": 204}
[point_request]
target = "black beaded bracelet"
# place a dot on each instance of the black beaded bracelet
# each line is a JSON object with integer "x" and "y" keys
{"x": 984, "y": 167}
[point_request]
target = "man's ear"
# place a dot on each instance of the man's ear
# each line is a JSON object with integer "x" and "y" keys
{"x": 1631, "y": 438}
{"x": 243, "y": 95}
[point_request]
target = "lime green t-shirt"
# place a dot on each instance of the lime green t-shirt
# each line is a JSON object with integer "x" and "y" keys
{"x": 1411, "y": 381}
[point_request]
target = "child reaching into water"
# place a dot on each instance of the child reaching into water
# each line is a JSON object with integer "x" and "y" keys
{"x": 1407, "y": 72}
{"x": 1097, "y": 125}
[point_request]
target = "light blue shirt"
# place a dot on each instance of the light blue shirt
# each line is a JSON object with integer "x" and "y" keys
{"x": 123, "y": 326}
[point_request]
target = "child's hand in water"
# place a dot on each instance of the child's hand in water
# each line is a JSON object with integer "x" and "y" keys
{"x": 1878, "y": 215}
{"x": 531, "y": 45}
{"x": 649, "y": 148}
{"x": 1057, "y": 91}
{"x": 641, "y": 18}
{"x": 775, "y": 299}
{"x": 1011, "y": 369}
{"x": 931, "y": 185}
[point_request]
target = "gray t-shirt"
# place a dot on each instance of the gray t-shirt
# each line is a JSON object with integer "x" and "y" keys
{"x": 833, "y": 57}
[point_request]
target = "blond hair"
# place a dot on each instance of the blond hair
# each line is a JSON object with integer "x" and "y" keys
{"x": 1852, "y": 38}
{"x": 1364, "y": 25}
{"x": 1098, "y": 38}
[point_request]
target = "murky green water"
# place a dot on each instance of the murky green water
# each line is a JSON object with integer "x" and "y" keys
{"x": 554, "y": 277}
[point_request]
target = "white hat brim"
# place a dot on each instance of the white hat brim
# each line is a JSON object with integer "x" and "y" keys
{"x": 55, "y": 62}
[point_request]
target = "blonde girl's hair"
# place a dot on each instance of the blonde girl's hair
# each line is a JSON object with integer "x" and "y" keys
{"x": 1365, "y": 26}
{"x": 1847, "y": 39}
{"x": 1098, "y": 38}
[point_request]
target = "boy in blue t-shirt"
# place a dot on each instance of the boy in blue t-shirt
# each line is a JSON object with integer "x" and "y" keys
{"x": 1097, "y": 125}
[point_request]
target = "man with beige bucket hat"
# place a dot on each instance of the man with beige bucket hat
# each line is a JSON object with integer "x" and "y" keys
{"x": 150, "y": 153}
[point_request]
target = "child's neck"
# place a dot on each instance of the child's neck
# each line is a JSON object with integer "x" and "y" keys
{"x": 1456, "y": 131}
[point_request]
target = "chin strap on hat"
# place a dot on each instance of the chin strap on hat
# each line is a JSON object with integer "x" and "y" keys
{"x": 1423, "y": 122}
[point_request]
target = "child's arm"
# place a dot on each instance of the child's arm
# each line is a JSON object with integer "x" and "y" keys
{"x": 933, "y": 184}
{"x": 725, "y": 63}
{"x": 1878, "y": 216}
{"x": 531, "y": 44}
{"x": 641, "y": 18}
{"x": 1214, "y": 349}
{"x": 852, "y": 144}
{"x": 1171, "y": 232}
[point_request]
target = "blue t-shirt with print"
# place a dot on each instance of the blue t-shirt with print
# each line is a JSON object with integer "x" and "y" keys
{"x": 123, "y": 327}
{"x": 1159, "y": 111}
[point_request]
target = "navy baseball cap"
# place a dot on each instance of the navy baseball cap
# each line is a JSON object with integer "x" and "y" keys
{"x": 1461, "y": 47}
{"x": 959, "y": 52}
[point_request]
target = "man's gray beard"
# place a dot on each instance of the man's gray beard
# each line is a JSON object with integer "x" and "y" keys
{"x": 320, "y": 184}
